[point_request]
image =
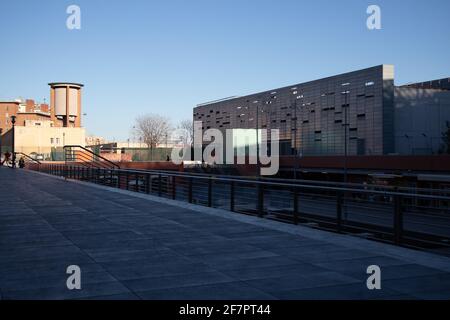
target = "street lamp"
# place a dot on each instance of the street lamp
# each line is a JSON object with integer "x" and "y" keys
{"x": 13, "y": 121}
{"x": 345, "y": 125}
{"x": 1, "y": 132}
{"x": 427, "y": 143}
{"x": 296, "y": 153}
{"x": 256, "y": 103}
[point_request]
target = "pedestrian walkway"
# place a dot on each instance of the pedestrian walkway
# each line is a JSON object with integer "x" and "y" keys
{"x": 134, "y": 246}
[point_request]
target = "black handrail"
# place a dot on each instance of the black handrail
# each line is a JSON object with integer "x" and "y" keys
{"x": 200, "y": 189}
{"x": 115, "y": 165}
{"x": 28, "y": 157}
{"x": 297, "y": 182}
{"x": 278, "y": 184}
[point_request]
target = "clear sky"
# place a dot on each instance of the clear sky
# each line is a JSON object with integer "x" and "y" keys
{"x": 164, "y": 57}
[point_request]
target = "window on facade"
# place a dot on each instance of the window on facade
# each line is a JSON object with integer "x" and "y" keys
{"x": 57, "y": 140}
{"x": 51, "y": 141}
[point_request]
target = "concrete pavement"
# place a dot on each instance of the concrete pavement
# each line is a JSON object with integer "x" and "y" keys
{"x": 134, "y": 246}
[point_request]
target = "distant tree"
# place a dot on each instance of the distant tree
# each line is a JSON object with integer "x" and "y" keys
{"x": 445, "y": 147}
{"x": 152, "y": 129}
{"x": 186, "y": 132}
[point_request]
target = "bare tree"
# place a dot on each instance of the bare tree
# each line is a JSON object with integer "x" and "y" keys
{"x": 152, "y": 129}
{"x": 186, "y": 131}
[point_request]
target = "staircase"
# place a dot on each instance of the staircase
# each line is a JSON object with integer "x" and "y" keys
{"x": 78, "y": 155}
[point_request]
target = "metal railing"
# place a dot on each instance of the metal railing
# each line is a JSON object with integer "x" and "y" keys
{"x": 75, "y": 154}
{"x": 398, "y": 216}
{"x": 27, "y": 157}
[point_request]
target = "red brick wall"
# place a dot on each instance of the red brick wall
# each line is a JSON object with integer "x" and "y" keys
{"x": 9, "y": 108}
{"x": 162, "y": 165}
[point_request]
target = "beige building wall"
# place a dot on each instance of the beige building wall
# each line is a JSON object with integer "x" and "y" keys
{"x": 42, "y": 139}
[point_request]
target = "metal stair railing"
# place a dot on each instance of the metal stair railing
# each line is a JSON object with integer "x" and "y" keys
{"x": 27, "y": 157}
{"x": 76, "y": 154}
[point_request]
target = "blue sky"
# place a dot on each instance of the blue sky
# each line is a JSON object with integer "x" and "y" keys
{"x": 164, "y": 57}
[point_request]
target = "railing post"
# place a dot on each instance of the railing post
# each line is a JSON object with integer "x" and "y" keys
{"x": 127, "y": 178}
{"x": 147, "y": 183}
{"x": 190, "y": 190}
{"x": 159, "y": 185}
{"x": 339, "y": 211}
{"x": 260, "y": 200}
{"x": 295, "y": 205}
{"x": 210, "y": 192}
{"x": 174, "y": 188}
{"x": 137, "y": 182}
{"x": 398, "y": 220}
{"x": 232, "y": 196}
{"x": 111, "y": 175}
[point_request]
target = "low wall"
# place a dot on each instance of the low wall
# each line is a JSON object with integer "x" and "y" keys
{"x": 404, "y": 163}
{"x": 155, "y": 165}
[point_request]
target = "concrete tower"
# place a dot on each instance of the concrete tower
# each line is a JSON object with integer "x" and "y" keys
{"x": 65, "y": 103}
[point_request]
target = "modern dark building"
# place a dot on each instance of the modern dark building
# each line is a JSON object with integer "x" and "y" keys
{"x": 422, "y": 111}
{"x": 355, "y": 113}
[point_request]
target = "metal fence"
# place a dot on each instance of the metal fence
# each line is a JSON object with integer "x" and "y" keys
{"x": 404, "y": 216}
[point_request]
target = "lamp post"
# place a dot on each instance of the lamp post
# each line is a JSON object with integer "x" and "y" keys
{"x": 256, "y": 103}
{"x": 13, "y": 121}
{"x": 296, "y": 153}
{"x": 345, "y": 125}
{"x": 427, "y": 143}
{"x": 1, "y": 132}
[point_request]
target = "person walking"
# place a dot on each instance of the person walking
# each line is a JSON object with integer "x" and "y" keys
{"x": 6, "y": 158}
{"x": 21, "y": 163}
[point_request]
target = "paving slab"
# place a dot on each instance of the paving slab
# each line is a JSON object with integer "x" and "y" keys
{"x": 137, "y": 246}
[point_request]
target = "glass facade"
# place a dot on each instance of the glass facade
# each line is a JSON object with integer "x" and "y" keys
{"x": 349, "y": 113}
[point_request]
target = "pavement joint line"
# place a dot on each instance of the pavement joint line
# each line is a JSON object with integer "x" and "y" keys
{"x": 352, "y": 242}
